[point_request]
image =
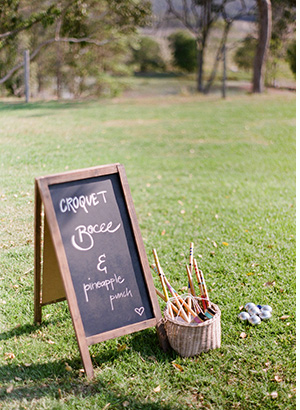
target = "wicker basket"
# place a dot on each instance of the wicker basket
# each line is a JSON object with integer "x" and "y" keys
{"x": 190, "y": 340}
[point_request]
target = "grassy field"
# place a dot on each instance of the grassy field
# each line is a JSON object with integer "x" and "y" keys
{"x": 218, "y": 173}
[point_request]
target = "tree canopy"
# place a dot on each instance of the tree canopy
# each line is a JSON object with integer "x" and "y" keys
{"x": 77, "y": 24}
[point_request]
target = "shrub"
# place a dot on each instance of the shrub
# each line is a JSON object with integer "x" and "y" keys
{"x": 146, "y": 55}
{"x": 244, "y": 55}
{"x": 184, "y": 51}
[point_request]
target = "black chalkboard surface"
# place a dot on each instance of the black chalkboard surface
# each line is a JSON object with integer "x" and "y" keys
{"x": 99, "y": 253}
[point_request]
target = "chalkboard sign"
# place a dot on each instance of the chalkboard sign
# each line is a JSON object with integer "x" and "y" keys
{"x": 99, "y": 252}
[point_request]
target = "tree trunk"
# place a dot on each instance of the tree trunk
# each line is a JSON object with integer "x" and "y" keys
{"x": 219, "y": 55}
{"x": 200, "y": 71}
{"x": 265, "y": 27}
{"x": 224, "y": 72}
{"x": 201, "y": 44}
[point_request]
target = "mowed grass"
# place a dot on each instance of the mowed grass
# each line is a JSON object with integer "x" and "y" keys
{"x": 218, "y": 173}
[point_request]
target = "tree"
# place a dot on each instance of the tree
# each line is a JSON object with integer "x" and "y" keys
{"x": 14, "y": 17}
{"x": 17, "y": 17}
{"x": 199, "y": 17}
{"x": 77, "y": 23}
{"x": 265, "y": 29}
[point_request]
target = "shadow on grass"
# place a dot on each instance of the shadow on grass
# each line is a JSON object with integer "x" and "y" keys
{"x": 19, "y": 330}
{"x": 38, "y": 105}
{"x": 52, "y": 381}
{"x": 158, "y": 75}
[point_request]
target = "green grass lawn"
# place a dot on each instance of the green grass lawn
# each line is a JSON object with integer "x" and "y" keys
{"x": 218, "y": 173}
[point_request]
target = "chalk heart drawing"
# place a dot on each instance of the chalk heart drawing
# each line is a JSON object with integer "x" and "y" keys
{"x": 139, "y": 310}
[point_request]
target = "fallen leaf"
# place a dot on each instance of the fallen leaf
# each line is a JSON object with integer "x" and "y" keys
{"x": 59, "y": 393}
{"x": 241, "y": 307}
{"x": 225, "y": 243}
{"x": 125, "y": 403}
{"x": 284, "y": 317}
{"x": 68, "y": 367}
{"x": 243, "y": 335}
{"x": 277, "y": 378}
{"x": 121, "y": 347}
{"x": 250, "y": 273}
{"x": 177, "y": 366}
{"x": 267, "y": 284}
{"x": 182, "y": 211}
{"x": 163, "y": 232}
{"x": 106, "y": 406}
{"x": 214, "y": 243}
{"x": 157, "y": 389}
{"x": 18, "y": 379}
{"x": 274, "y": 394}
{"x": 51, "y": 342}
{"x": 9, "y": 355}
{"x": 10, "y": 388}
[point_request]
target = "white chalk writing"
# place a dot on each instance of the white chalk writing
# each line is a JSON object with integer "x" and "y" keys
{"x": 126, "y": 293}
{"x": 101, "y": 260}
{"x": 83, "y": 239}
{"x": 104, "y": 282}
{"x": 108, "y": 284}
{"x": 72, "y": 204}
{"x": 139, "y": 310}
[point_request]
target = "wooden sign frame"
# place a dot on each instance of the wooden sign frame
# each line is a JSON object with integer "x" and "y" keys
{"x": 47, "y": 223}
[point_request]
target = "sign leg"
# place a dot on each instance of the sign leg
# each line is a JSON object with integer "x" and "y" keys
{"x": 86, "y": 359}
{"x": 37, "y": 256}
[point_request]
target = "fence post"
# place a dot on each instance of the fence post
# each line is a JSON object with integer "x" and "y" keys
{"x": 26, "y": 74}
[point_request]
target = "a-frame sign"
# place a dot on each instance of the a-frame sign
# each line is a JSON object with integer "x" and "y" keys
{"x": 89, "y": 250}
